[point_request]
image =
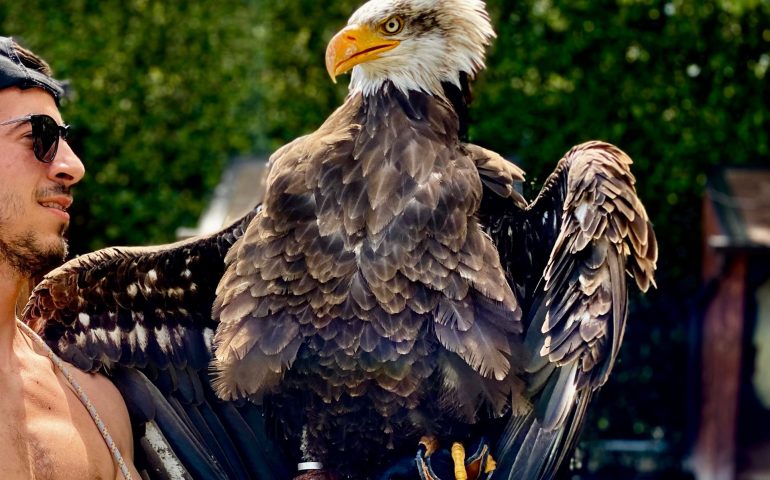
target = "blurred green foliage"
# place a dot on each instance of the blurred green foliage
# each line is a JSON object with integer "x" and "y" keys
{"x": 166, "y": 92}
{"x": 163, "y": 95}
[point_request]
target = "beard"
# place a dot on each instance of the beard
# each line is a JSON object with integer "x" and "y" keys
{"x": 24, "y": 252}
{"x": 25, "y": 255}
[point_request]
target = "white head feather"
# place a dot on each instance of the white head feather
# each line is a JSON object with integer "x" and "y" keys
{"x": 440, "y": 39}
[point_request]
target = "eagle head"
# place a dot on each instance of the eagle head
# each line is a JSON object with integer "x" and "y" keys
{"x": 414, "y": 44}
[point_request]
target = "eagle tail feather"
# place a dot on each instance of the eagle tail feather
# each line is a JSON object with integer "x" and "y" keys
{"x": 531, "y": 450}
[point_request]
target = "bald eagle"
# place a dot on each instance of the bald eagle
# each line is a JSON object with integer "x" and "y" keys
{"x": 393, "y": 291}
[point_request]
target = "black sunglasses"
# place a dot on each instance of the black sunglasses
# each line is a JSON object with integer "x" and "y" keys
{"x": 45, "y": 135}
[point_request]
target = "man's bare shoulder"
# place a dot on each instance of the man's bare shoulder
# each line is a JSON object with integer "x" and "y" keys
{"x": 110, "y": 405}
{"x": 48, "y": 432}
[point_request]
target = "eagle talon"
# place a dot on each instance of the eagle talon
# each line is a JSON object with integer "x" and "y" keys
{"x": 430, "y": 443}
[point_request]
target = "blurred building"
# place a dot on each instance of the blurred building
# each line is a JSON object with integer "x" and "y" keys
{"x": 733, "y": 438}
{"x": 241, "y": 187}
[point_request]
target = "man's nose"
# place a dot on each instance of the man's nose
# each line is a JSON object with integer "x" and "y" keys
{"x": 66, "y": 167}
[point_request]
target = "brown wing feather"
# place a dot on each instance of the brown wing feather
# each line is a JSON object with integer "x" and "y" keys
{"x": 585, "y": 229}
{"x": 567, "y": 254}
{"x": 588, "y": 261}
{"x": 134, "y": 305}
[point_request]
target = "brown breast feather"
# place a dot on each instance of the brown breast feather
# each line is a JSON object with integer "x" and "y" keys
{"x": 366, "y": 249}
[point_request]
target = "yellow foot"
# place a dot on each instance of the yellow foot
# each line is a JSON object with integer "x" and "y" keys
{"x": 479, "y": 464}
{"x": 458, "y": 457}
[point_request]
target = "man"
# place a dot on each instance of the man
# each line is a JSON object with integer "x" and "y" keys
{"x": 46, "y": 430}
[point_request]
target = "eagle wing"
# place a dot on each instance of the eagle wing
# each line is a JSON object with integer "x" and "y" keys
{"x": 144, "y": 312}
{"x": 567, "y": 255}
{"x": 143, "y": 315}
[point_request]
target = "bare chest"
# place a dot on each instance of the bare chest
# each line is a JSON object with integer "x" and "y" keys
{"x": 46, "y": 433}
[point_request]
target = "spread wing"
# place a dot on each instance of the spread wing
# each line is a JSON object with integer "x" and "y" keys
{"x": 567, "y": 255}
{"x": 144, "y": 315}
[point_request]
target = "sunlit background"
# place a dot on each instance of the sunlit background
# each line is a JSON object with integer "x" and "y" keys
{"x": 164, "y": 95}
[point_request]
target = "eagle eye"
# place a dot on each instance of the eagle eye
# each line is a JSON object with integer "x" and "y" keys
{"x": 393, "y": 25}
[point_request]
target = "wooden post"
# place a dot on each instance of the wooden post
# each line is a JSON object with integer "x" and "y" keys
{"x": 715, "y": 448}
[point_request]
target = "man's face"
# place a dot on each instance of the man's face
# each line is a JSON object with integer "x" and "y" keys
{"x": 34, "y": 195}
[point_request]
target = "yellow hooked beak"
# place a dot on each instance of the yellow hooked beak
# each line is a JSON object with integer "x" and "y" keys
{"x": 353, "y": 45}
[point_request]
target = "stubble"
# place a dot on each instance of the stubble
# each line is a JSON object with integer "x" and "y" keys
{"x": 25, "y": 253}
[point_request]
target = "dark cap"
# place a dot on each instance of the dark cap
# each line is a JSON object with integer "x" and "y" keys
{"x": 13, "y": 73}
